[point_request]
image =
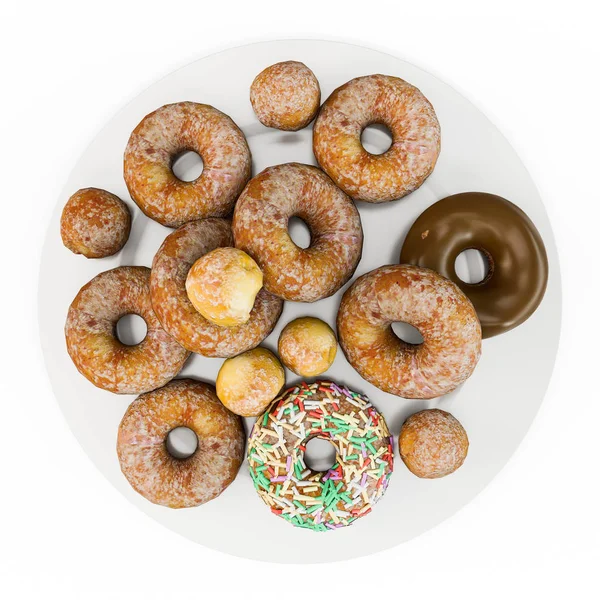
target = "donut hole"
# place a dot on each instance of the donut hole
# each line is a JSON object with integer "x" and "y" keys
{"x": 376, "y": 138}
{"x": 181, "y": 442}
{"x": 299, "y": 232}
{"x": 187, "y": 166}
{"x": 131, "y": 330}
{"x": 319, "y": 454}
{"x": 407, "y": 333}
{"x": 472, "y": 266}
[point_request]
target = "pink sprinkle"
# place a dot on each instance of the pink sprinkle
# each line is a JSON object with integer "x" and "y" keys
{"x": 327, "y": 476}
{"x": 288, "y": 463}
{"x": 278, "y": 479}
{"x": 346, "y": 392}
{"x": 363, "y": 480}
{"x": 364, "y": 451}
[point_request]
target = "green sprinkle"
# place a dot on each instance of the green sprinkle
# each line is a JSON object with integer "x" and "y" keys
{"x": 265, "y": 419}
{"x": 352, "y": 457}
{"x": 278, "y": 489}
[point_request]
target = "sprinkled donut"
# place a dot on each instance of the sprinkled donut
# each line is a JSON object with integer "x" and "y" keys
{"x": 92, "y": 344}
{"x": 377, "y": 99}
{"x": 364, "y": 456}
{"x": 286, "y": 96}
{"x": 180, "y": 250}
{"x": 159, "y": 476}
{"x": 167, "y": 132}
{"x": 435, "y": 306}
{"x": 95, "y": 223}
{"x": 260, "y": 228}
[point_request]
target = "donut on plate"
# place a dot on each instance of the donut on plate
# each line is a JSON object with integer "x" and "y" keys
{"x": 286, "y": 96}
{"x": 377, "y": 99}
{"x": 260, "y": 228}
{"x": 153, "y": 471}
{"x": 92, "y": 343}
{"x": 364, "y": 456}
{"x": 433, "y": 443}
{"x": 424, "y": 299}
{"x": 517, "y": 263}
{"x": 163, "y": 135}
{"x": 170, "y": 267}
{"x": 95, "y": 223}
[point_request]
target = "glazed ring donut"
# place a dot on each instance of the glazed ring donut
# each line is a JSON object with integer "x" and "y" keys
{"x": 377, "y": 99}
{"x": 180, "y": 250}
{"x": 92, "y": 344}
{"x": 435, "y": 306}
{"x": 516, "y": 256}
{"x": 364, "y": 456}
{"x": 167, "y": 132}
{"x": 175, "y": 482}
{"x": 260, "y": 228}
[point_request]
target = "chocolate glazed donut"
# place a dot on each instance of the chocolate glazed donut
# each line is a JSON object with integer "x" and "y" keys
{"x": 518, "y": 265}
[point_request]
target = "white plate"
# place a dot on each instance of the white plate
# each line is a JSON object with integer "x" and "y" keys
{"x": 496, "y": 405}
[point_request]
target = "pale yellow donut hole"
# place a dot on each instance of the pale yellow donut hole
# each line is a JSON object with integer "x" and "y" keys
{"x": 307, "y": 346}
{"x": 249, "y": 382}
{"x": 222, "y": 285}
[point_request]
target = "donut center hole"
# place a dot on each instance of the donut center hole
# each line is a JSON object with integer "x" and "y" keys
{"x": 181, "y": 442}
{"x": 299, "y": 232}
{"x": 131, "y": 330}
{"x": 407, "y": 333}
{"x": 187, "y": 166}
{"x": 472, "y": 266}
{"x": 376, "y": 138}
{"x": 319, "y": 454}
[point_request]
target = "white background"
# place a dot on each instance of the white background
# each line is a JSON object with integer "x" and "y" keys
{"x": 68, "y": 67}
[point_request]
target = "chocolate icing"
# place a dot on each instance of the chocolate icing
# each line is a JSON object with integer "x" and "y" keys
{"x": 518, "y": 265}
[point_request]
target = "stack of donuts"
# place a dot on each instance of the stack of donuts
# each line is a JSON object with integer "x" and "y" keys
{"x": 219, "y": 281}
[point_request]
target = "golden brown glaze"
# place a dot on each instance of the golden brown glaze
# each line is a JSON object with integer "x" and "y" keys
{"x": 92, "y": 343}
{"x": 180, "y": 250}
{"x": 286, "y": 96}
{"x": 174, "y": 482}
{"x": 377, "y": 99}
{"x": 95, "y": 223}
{"x": 433, "y": 443}
{"x": 435, "y": 306}
{"x": 167, "y": 132}
{"x": 518, "y": 265}
{"x": 260, "y": 228}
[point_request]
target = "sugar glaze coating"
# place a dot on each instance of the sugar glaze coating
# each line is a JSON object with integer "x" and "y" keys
{"x": 286, "y": 96}
{"x": 167, "y": 132}
{"x": 92, "y": 344}
{"x": 260, "y": 228}
{"x": 435, "y": 306}
{"x": 149, "y": 467}
{"x": 377, "y": 99}
{"x": 170, "y": 267}
{"x": 95, "y": 223}
{"x": 433, "y": 443}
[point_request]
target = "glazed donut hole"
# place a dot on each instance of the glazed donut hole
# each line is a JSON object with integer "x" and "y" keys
{"x": 473, "y": 266}
{"x": 222, "y": 286}
{"x": 181, "y": 442}
{"x": 131, "y": 329}
{"x": 248, "y": 383}
{"x": 307, "y": 346}
{"x": 95, "y": 223}
{"x": 286, "y": 96}
{"x": 433, "y": 443}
